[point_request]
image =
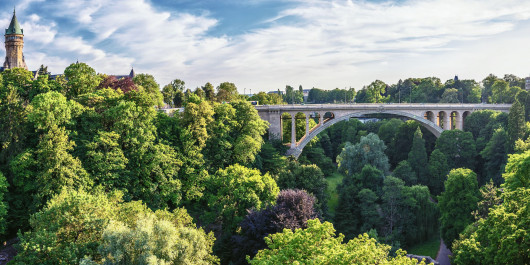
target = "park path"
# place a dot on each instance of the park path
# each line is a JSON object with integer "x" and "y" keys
{"x": 443, "y": 254}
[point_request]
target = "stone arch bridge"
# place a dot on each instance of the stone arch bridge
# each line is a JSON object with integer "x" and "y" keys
{"x": 434, "y": 117}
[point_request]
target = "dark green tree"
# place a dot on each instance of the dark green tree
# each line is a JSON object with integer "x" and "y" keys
{"x": 438, "y": 170}
{"x": 404, "y": 172}
{"x": 418, "y": 157}
{"x": 458, "y": 147}
{"x": 516, "y": 123}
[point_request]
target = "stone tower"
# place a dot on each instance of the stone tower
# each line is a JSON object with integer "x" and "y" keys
{"x": 14, "y": 44}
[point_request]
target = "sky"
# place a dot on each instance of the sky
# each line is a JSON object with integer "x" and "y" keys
{"x": 264, "y": 45}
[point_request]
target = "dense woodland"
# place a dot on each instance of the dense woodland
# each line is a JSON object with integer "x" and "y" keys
{"x": 92, "y": 173}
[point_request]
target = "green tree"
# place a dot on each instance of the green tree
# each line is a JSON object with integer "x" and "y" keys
{"x": 234, "y": 190}
{"x": 402, "y": 142}
{"x": 458, "y": 147}
{"x": 317, "y": 244}
{"x": 173, "y": 93}
{"x": 438, "y": 170}
{"x": 235, "y": 135}
{"x": 375, "y": 92}
{"x": 371, "y": 219}
{"x": 226, "y": 92}
{"x": 81, "y": 78}
{"x": 147, "y": 83}
{"x": 209, "y": 91}
{"x": 418, "y": 157}
{"x": 517, "y": 174}
{"x": 516, "y": 122}
{"x": 495, "y": 155}
{"x": 305, "y": 177}
{"x": 450, "y": 96}
{"x": 370, "y": 150}
{"x": 76, "y": 225}
{"x": 457, "y": 203}
{"x": 3, "y": 204}
{"x": 404, "y": 172}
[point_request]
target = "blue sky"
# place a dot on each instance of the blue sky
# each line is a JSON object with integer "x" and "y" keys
{"x": 266, "y": 44}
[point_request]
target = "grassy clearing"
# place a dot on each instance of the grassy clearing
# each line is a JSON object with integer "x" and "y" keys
{"x": 333, "y": 181}
{"x": 427, "y": 248}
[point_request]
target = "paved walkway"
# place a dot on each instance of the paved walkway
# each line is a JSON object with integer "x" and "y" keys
{"x": 443, "y": 254}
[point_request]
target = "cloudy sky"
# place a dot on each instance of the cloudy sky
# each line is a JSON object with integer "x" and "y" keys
{"x": 266, "y": 44}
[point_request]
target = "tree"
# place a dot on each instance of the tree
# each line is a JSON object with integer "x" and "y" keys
{"x": 148, "y": 84}
{"x": 438, "y": 170}
{"x": 371, "y": 219}
{"x": 502, "y": 92}
{"x": 292, "y": 210}
{"x": 418, "y": 157}
{"x": 305, "y": 177}
{"x": 375, "y": 92}
{"x": 106, "y": 161}
{"x": 154, "y": 240}
{"x": 3, "y": 204}
{"x": 209, "y": 91}
{"x": 491, "y": 196}
{"x": 495, "y": 155}
{"x": 349, "y": 214}
{"x": 516, "y": 122}
{"x": 235, "y": 135}
{"x": 393, "y": 208}
{"x": 173, "y": 93}
{"x": 402, "y": 142}
{"x": 458, "y": 147}
{"x": 450, "y": 96}
{"x": 404, "y": 172}
{"x": 517, "y": 174}
{"x": 81, "y": 78}
{"x": 317, "y": 244}
{"x": 226, "y": 92}
{"x": 370, "y": 150}
{"x": 457, "y": 203}
{"x": 234, "y": 190}
{"x": 77, "y": 225}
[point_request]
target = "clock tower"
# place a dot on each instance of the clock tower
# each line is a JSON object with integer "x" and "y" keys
{"x": 14, "y": 41}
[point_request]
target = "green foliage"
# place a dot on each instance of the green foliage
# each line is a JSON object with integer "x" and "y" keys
{"x": 81, "y": 78}
{"x": 235, "y": 135}
{"x": 438, "y": 170}
{"x": 404, "y": 172}
{"x": 3, "y": 204}
{"x": 173, "y": 93}
{"x": 147, "y": 83}
{"x": 516, "y": 122}
{"x": 502, "y": 92}
{"x": 234, "y": 190}
{"x": 495, "y": 155}
{"x": 317, "y": 244}
{"x": 402, "y": 142}
{"x": 226, "y": 92}
{"x": 369, "y": 151}
{"x": 502, "y": 236}
{"x": 457, "y": 203}
{"x": 305, "y": 177}
{"x": 517, "y": 173}
{"x": 52, "y": 109}
{"x": 418, "y": 157}
{"x": 458, "y": 147}
{"x": 450, "y": 96}
{"x": 77, "y": 224}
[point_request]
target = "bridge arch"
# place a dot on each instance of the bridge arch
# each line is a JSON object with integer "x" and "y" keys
{"x": 296, "y": 151}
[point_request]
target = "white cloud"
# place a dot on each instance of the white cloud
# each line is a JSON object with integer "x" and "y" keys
{"x": 315, "y": 43}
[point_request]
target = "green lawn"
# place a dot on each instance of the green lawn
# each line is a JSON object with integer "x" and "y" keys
{"x": 333, "y": 181}
{"x": 428, "y": 248}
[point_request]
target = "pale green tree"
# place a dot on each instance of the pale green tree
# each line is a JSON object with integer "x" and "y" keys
{"x": 370, "y": 150}
{"x": 318, "y": 244}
